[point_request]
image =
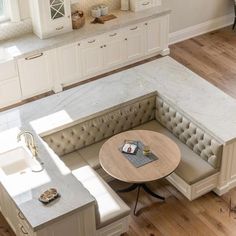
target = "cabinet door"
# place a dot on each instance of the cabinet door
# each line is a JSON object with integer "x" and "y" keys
{"x": 8, "y": 209}
{"x": 9, "y": 92}
{"x": 135, "y": 42}
{"x": 34, "y": 74}
{"x": 92, "y": 56}
{"x": 57, "y": 16}
{"x": 114, "y": 49}
{"x": 153, "y": 36}
{"x": 69, "y": 64}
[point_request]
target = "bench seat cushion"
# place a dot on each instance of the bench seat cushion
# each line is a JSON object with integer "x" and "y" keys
{"x": 191, "y": 168}
{"x": 90, "y": 154}
{"x": 110, "y": 207}
{"x": 73, "y": 160}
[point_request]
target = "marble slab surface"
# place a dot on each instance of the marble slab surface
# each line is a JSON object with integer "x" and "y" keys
{"x": 205, "y": 104}
{"x": 30, "y": 43}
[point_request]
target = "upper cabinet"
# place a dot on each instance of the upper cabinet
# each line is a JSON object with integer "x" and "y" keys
{"x": 50, "y": 17}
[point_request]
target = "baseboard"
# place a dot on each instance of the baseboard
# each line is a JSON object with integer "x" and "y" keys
{"x": 224, "y": 189}
{"x": 202, "y": 28}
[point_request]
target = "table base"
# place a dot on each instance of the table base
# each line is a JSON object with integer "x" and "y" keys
{"x": 139, "y": 186}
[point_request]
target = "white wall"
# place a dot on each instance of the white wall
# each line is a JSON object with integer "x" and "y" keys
{"x": 187, "y": 13}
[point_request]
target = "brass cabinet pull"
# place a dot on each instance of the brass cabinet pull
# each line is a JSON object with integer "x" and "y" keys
{"x": 134, "y": 28}
{"x": 146, "y": 3}
{"x": 93, "y": 41}
{"x": 112, "y": 35}
{"x": 34, "y": 56}
{"x": 23, "y": 230}
{"x": 21, "y": 216}
{"x": 60, "y": 28}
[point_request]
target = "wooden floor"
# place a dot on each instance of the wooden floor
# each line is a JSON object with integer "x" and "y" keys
{"x": 213, "y": 57}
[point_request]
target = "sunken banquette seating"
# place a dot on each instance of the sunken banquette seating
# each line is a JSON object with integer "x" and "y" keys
{"x": 78, "y": 145}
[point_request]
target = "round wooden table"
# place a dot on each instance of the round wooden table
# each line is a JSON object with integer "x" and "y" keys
{"x": 118, "y": 166}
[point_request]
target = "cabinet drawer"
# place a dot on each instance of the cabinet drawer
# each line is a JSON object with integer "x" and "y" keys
{"x": 114, "y": 35}
{"x": 91, "y": 42}
{"x": 10, "y": 92}
{"x": 7, "y": 70}
{"x": 139, "y": 5}
{"x": 23, "y": 231}
{"x": 21, "y": 219}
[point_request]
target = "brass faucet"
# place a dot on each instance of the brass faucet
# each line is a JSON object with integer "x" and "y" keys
{"x": 29, "y": 140}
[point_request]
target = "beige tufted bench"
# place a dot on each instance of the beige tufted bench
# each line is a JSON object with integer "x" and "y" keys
{"x": 79, "y": 143}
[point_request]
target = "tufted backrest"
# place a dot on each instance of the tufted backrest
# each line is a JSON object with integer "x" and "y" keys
{"x": 104, "y": 126}
{"x": 195, "y": 138}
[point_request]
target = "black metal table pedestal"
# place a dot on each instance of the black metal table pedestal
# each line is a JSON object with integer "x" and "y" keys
{"x": 139, "y": 186}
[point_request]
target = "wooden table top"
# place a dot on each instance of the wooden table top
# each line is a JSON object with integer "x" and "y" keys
{"x": 116, "y": 165}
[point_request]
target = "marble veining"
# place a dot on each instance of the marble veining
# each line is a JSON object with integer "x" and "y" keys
{"x": 203, "y": 103}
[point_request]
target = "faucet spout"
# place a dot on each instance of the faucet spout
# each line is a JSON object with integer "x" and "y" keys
{"x": 29, "y": 141}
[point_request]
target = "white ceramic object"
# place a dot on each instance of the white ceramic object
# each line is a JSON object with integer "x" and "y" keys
{"x": 96, "y": 11}
{"x": 104, "y": 10}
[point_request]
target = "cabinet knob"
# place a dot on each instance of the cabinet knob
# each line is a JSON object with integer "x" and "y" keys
{"x": 105, "y": 46}
{"x": 146, "y": 23}
{"x": 78, "y": 44}
{"x": 101, "y": 47}
{"x": 126, "y": 39}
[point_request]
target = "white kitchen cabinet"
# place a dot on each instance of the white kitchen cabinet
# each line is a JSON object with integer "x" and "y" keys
{"x": 35, "y": 74}
{"x": 92, "y": 55}
{"x": 140, "y": 5}
{"x": 50, "y": 17}
{"x": 8, "y": 209}
{"x": 153, "y": 35}
{"x": 135, "y": 42}
{"x": 114, "y": 49}
{"x": 70, "y": 64}
{"x": 10, "y": 91}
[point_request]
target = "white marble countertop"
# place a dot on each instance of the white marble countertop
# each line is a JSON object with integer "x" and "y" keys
{"x": 205, "y": 104}
{"x": 30, "y": 43}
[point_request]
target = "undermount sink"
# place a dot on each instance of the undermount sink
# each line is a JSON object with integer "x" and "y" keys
{"x": 15, "y": 161}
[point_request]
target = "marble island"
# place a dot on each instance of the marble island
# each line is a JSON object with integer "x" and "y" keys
{"x": 209, "y": 107}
